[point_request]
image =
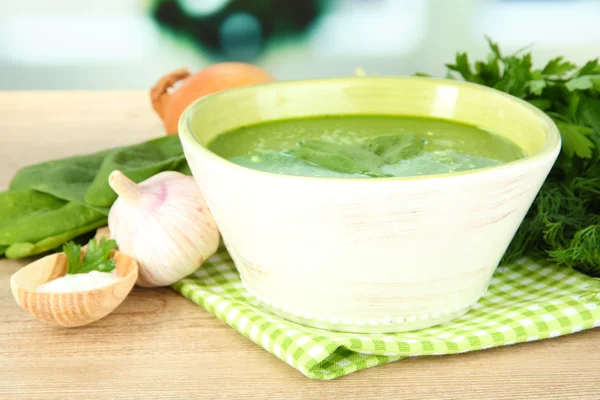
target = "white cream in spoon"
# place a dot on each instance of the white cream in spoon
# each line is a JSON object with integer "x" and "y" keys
{"x": 80, "y": 282}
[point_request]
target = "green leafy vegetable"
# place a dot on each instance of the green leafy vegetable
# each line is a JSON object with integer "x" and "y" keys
{"x": 138, "y": 162}
{"x": 84, "y": 179}
{"x": 394, "y": 148}
{"x": 30, "y": 219}
{"x": 21, "y": 250}
{"x": 583, "y": 83}
{"x": 38, "y": 225}
{"x": 17, "y": 203}
{"x": 53, "y": 202}
{"x": 96, "y": 258}
{"x": 558, "y": 67}
{"x": 575, "y": 139}
{"x": 563, "y": 223}
{"x": 351, "y": 159}
{"x": 592, "y": 67}
{"x": 67, "y": 179}
{"x": 557, "y": 88}
{"x": 584, "y": 245}
{"x": 354, "y": 159}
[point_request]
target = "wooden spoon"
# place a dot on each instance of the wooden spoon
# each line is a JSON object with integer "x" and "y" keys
{"x": 74, "y": 308}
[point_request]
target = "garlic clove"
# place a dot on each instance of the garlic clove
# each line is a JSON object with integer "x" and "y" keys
{"x": 164, "y": 223}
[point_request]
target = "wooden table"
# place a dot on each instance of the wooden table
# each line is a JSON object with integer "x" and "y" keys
{"x": 158, "y": 345}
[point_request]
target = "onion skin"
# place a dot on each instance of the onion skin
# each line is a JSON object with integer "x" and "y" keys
{"x": 169, "y": 102}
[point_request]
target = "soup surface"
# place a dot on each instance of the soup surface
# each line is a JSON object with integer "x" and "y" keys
{"x": 363, "y": 146}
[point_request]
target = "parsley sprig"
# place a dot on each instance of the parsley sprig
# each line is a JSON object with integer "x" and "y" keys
{"x": 564, "y": 222}
{"x": 96, "y": 258}
{"x": 568, "y": 94}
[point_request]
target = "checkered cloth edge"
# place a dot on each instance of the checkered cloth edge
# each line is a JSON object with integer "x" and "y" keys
{"x": 526, "y": 301}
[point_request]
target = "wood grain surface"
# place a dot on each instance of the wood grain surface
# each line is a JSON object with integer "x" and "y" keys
{"x": 158, "y": 345}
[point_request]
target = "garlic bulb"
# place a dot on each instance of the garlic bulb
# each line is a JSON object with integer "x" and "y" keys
{"x": 163, "y": 223}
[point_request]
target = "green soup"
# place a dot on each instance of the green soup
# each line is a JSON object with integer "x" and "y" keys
{"x": 364, "y": 146}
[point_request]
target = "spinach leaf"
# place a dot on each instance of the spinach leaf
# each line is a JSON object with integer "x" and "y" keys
{"x": 394, "y": 148}
{"x": 346, "y": 158}
{"x": 26, "y": 249}
{"x": 84, "y": 179}
{"x": 31, "y": 216}
{"x": 184, "y": 168}
{"x": 37, "y": 225}
{"x": 14, "y": 204}
{"x": 66, "y": 179}
{"x": 55, "y": 201}
{"x": 138, "y": 162}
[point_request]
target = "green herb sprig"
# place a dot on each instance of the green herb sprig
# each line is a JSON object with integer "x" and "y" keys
{"x": 563, "y": 224}
{"x": 96, "y": 258}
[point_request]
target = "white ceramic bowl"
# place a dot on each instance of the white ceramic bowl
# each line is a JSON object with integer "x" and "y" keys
{"x": 369, "y": 255}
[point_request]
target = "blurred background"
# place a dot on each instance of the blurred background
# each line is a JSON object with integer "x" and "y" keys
{"x": 128, "y": 44}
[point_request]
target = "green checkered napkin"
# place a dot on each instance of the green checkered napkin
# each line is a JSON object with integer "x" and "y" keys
{"x": 526, "y": 301}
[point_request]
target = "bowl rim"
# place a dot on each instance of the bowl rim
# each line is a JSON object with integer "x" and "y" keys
{"x": 551, "y": 146}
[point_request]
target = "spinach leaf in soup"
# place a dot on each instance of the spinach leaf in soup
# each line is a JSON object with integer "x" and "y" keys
{"x": 393, "y": 148}
{"x": 347, "y": 158}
